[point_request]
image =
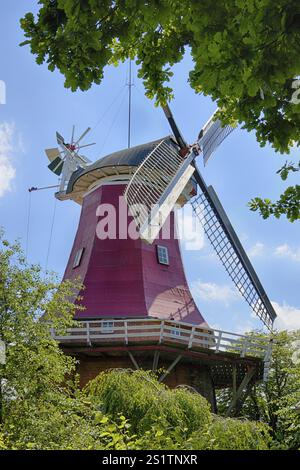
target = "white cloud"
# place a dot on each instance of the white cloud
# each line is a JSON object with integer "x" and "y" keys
{"x": 212, "y": 292}
{"x": 288, "y": 317}
{"x": 256, "y": 250}
{"x": 7, "y": 171}
{"x": 244, "y": 327}
{"x": 286, "y": 251}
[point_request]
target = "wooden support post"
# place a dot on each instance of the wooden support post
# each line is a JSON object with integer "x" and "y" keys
{"x": 126, "y": 332}
{"x": 267, "y": 360}
{"x": 239, "y": 394}
{"x": 161, "y": 335}
{"x": 245, "y": 347}
{"x": 191, "y": 337}
{"x": 240, "y": 403}
{"x": 218, "y": 342}
{"x": 234, "y": 382}
{"x": 88, "y": 337}
{"x": 155, "y": 361}
{"x": 133, "y": 360}
{"x": 170, "y": 368}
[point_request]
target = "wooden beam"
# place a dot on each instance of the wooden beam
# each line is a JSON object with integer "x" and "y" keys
{"x": 234, "y": 382}
{"x": 170, "y": 368}
{"x": 133, "y": 360}
{"x": 155, "y": 361}
{"x": 240, "y": 403}
{"x": 207, "y": 356}
{"x": 238, "y": 396}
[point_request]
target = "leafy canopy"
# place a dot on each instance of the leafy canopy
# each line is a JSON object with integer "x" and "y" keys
{"x": 245, "y": 55}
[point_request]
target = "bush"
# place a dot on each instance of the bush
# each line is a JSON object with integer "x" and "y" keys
{"x": 232, "y": 434}
{"x": 163, "y": 418}
{"x": 143, "y": 400}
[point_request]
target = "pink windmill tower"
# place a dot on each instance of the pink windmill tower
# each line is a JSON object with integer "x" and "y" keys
{"x": 138, "y": 308}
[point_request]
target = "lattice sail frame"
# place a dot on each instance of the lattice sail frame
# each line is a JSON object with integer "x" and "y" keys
{"x": 232, "y": 255}
{"x": 156, "y": 185}
{"x": 211, "y": 136}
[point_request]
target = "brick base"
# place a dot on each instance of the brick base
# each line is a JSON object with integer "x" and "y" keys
{"x": 196, "y": 376}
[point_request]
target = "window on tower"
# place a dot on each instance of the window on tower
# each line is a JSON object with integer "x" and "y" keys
{"x": 78, "y": 256}
{"x": 175, "y": 330}
{"x": 107, "y": 327}
{"x": 162, "y": 254}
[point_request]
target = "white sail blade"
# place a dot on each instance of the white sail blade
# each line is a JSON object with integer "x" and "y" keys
{"x": 82, "y": 135}
{"x": 72, "y": 136}
{"x": 52, "y": 153}
{"x": 156, "y": 185}
{"x": 60, "y": 139}
{"x": 211, "y": 136}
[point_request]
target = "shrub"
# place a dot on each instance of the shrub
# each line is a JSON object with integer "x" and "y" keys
{"x": 163, "y": 418}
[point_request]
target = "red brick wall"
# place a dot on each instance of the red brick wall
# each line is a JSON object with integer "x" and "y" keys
{"x": 195, "y": 376}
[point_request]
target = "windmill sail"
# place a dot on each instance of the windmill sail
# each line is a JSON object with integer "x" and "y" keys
{"x": 156, "y": 185}
{"x": 211, "y": 136}
{"x": 230, "y": 251}
{"x": 56, "y": 166}
{"x": 52, "y": 153}
{"x": 65, "y": 161}
{"x": 178, "y": 136}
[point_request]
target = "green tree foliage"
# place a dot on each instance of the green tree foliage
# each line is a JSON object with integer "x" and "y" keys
{"x": 245, "y": 54}
{"x": 275, "y": 401}
{"x": 289, "y": 201}
{"x": 41, "y": 405}
{"x": 162, "y": 418}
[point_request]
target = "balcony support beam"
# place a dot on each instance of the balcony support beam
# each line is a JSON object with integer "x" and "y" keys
{"x": 241, "y": 394}
{"x": 132, "y": 358}
{"x": 170, "y": 368}
{"x": 155, "y": 361}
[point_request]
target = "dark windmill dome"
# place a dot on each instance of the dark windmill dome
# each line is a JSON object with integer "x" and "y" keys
{"x": 121, "y": 163}
{"x": 131, "y": 156}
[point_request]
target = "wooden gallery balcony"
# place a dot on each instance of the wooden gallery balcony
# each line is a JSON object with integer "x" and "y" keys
{"x": 228, "y": 356}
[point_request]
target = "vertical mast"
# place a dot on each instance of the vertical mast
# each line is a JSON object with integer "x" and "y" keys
{"x": 130, "y": 84}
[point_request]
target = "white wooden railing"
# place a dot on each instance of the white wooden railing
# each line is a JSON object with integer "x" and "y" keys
{"x": 110, "y": 331}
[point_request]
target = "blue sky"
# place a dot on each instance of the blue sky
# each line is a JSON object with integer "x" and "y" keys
{"x": 37, "y": 104}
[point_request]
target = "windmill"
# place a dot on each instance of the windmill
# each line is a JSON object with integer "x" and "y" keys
{"x": 138, "y": 308}
{"x": 155, "y": 187}
{"x": 65, "y": 159}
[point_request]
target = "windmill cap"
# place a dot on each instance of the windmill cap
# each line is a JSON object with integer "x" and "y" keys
{"x": 122, "y": 162}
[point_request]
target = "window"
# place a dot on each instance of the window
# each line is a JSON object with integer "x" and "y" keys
{"x": 107, "y": 327}
{"x": 77, "y": 259}
{"x": 175, "y": 331}
{"x": 162, "y": 255}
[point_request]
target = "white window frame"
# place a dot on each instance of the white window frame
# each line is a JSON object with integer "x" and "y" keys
{"x": 175, "y": 330}
{"x": 162, "y": 258}
{"x": 78, "y": 258}
{"x": 107, "y": 326}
